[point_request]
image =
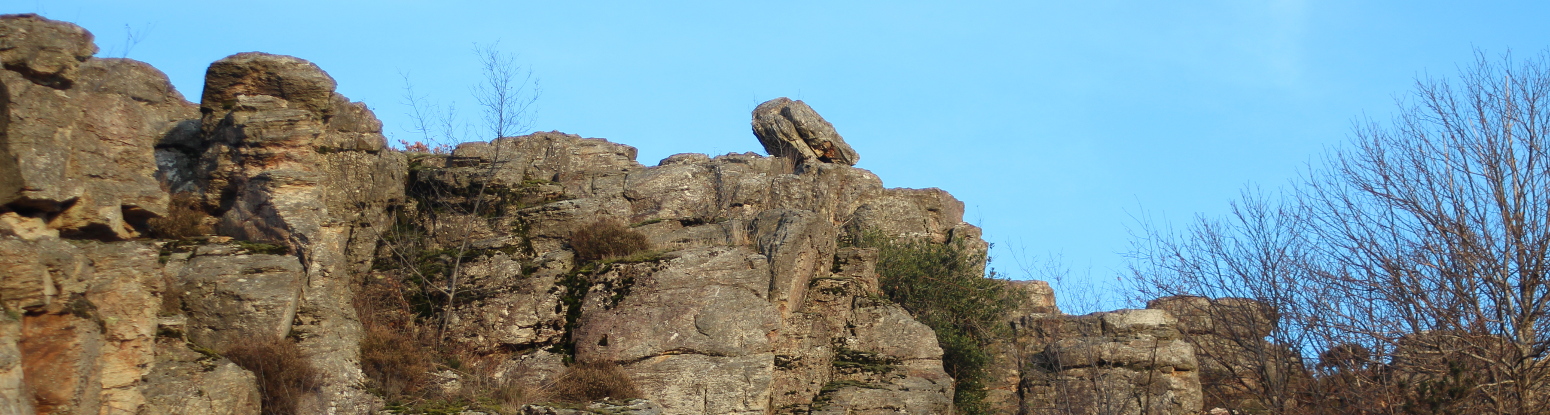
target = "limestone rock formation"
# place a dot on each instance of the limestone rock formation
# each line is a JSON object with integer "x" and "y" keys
{"x": 793, "y": 130}
{"x": 745, "y": 302}
{"x": 232, "y": 296}
{"x": 1236, "y": 362}
{"x": 71, "y": 359}
{"x": 183, "y": 381}
{"x": 87, "y": 147}
{"x": 740, "y": 309}
{"x": 42, "y": 50}
{"x": 287, "y": 160}
{"x": 1124, "y": 362}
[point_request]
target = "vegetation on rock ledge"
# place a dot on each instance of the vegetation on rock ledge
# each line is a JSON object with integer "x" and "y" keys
{"x": 943, "y": 286}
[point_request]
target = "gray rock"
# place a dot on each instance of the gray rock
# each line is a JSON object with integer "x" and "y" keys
{"x": 15, "y": 395}
{"x": 187, "y": 382}
{"x": 708, "y": 301}
{"x": 235, "y": 299}
{"x": 1228, "y": 335}
{"x": 86, "y": 337}
{"x": 928, "y": 214}
{"x": 800, "y": 246}
{"x": 293, "y": 162}
{"x": 301, "y": 84}
{"x": 791, "y": 129}
{"x": 630, "y": 407}
{"x": 1110, "y": 362}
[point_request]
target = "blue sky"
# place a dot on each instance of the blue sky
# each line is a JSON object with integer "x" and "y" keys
{"x": 1058, "y": 123}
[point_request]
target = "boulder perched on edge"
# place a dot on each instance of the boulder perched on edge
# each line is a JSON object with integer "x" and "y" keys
{"x": 792, "y": 129}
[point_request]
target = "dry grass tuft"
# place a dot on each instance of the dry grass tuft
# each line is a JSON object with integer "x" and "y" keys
{"x": 394, "y": 352}
{"x": 588, "y": 382}
{"x": 606, "y": 239}
{"x": 284, "y": 375}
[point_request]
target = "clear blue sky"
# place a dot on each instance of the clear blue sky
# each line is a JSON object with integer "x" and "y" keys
{"x": 1056, "y": 122}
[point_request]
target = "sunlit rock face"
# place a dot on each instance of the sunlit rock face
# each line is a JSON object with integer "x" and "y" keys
{"x": 792, "y": 130}
{"x": 1124, "y": 362}
{"x": 746, "y": 302}
{"x": 78, "y": 133}
{"x": 749, "y": 304}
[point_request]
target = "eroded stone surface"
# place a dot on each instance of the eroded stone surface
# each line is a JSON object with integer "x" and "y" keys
{"x": 77, "y": 134}
{"x": 238, "y": 298}
{"x": 187, "y": 382}
{"x": 793, "y": 130}
{"x": 744, "y": 303}
{"x": 1126, "y": 362}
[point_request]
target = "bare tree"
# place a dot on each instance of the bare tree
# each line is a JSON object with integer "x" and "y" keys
{"x": 1435, "y": 231}
{"x": 1204, "y": 274}
{"x": 1414, "y": 259}
{"x": 505, "y": 94}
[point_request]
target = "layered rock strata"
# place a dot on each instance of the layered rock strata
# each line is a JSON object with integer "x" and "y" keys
{"x": 1239, "y": 368}
{"x": 88, "y": 150}
{"x": 1120, "y": 362}
{"x": 741, "y": 306}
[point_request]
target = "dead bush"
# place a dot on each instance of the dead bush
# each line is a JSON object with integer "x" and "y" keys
{"x": 395, "y": 351}
{"x": 606, "y": 239}
{"x": 588, "y": 382}
{"x": 284, "y": 375}
{"x": 185, "y": 218}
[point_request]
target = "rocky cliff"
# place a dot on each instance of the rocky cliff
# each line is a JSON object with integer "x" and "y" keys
{"x": 148, "y": 247}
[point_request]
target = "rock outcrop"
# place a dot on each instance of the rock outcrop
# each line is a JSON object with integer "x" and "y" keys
{"x": 746, "y": 303}
{"x": 741, "y": 297}
{"x": 1120, "y": 362}
{"x": 741, "y": 308}
{"x": 286, "y": 160}
{"x": 88, "y": 148}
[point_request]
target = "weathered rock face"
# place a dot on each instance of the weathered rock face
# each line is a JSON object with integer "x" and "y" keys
{"x": 183, "y": 381}
{"x": 231, "y": 296}
{"x": 87, "y": 321}
{"x": 76, "y": 138}
{"x": 287, "y": 160}
{"x": 87, "y": 147}
{"x": 791, "y": 129}
{"x": 77, "y": 133}
{"x": 1125, "y": 362}
{"x": 747, "y": 303}
{"x": 1120, "y": 362}
{"x": 742, "y": 309}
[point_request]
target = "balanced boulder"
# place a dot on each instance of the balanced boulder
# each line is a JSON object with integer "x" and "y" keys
{"x": 792, "y": 129}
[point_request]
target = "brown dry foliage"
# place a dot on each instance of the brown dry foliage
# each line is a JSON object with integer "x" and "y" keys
{"x": 605, "y": 239}
{"x": 395, "y": 352}
{"x": 588, "y": 382}
{"x": 284, "y": 375}
{"x": 185, "y": 218}
{"x": 400, "y": 351}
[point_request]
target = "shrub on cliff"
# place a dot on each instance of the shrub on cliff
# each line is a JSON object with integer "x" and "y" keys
{"x": 943, "y": 286}
{"x": 606, "y": 239}
{"x": 396, "y": 351}
{"x": 284, "y": 375}
{"x": 588, "y": 382}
